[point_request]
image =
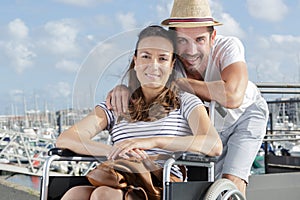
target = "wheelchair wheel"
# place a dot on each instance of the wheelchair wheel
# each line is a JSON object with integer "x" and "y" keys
{"x": 223, "y": 189}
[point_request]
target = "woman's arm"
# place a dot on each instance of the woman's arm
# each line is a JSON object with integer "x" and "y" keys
{"x": 78, "y": 138}
{"x": 205, "y": 139}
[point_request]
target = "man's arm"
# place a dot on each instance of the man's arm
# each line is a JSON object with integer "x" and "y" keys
{"x": 229, "y": 92}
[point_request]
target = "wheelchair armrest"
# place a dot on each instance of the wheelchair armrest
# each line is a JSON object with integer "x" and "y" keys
{"x": 61, "y": 152}
{"x": 68, "y": 153}
{"x": 194, "y": 157}
{"x": 180, "y": 156}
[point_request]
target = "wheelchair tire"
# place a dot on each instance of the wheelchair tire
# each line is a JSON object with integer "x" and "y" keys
{"x": 220, "y": 187}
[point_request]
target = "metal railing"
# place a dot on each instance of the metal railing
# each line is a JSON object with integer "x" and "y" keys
{"x": 279, "y": 88}
{"x": 284, "y": 120}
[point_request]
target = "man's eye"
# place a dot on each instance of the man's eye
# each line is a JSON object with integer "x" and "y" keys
{"x": 200, "y": 40}
{"x": 181, "y": 41}
{"x": 164, "y": 59}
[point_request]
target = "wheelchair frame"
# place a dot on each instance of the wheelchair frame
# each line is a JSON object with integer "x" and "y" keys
{"x": 208, "y": 190}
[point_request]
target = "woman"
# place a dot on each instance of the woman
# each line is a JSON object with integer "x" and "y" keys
{"x": 158, "y": 114}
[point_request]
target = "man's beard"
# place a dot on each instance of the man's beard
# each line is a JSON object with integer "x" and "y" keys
{"x": 194, "y": 63}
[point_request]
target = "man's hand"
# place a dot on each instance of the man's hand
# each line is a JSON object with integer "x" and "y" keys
{"x": 117, "y": 99}
{"x": 185, "y": 85}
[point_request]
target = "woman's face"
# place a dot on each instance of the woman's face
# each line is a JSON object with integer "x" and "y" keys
{"x": 153, "y": 62}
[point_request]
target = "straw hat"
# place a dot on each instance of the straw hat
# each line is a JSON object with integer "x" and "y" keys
{"x": 190, "y": 13}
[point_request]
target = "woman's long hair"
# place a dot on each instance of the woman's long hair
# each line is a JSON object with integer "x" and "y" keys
{"x": 166, "y": 101}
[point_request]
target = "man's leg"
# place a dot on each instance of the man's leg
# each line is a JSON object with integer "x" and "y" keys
{"x": 240, "y": 183}
{"x": 241, "y": 144}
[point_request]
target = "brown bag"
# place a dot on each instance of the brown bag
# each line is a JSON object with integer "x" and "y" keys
{"x": 141, "y": 178}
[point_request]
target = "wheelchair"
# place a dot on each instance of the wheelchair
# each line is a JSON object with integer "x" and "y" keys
{"x": 53, "y": 186}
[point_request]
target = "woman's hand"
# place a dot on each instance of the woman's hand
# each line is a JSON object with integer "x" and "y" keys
{"x": 131, "y": 148}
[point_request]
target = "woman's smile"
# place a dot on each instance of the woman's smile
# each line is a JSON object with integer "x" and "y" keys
{"x": 152, "y": 76}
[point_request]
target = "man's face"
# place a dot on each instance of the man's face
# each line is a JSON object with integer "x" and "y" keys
{"x": 193, "y": 47}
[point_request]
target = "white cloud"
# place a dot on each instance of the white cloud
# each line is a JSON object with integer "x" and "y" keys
{"x": 127, "y": 20}
{"x": 60, "y": 90}
{"x": 20, "y": 55}
{"x": 67, "y": 65}
{"x": 102, "y": 20}
{"x": 276, "y": 57}
{"x": 163, "y": 10}
{"x": 267, "y": 70}
{"x": 85, "y": 3}
{"x": 280, "y": 46}
{"x": 17, "y": 96}
{"x": 62, "y": 37}
{"x": 269, "y": 10}
{"x": 283, "y": 39}
{"x": 18, "y": 29}
{"x": 230, "y": 25}
{"x": 18, "y": 48}
{"x": 90, "y": 37}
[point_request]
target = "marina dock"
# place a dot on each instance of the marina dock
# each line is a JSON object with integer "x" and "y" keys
{"x": 12, "y": 191}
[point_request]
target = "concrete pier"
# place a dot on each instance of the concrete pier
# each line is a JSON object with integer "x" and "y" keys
{"x": 12, "y": 191}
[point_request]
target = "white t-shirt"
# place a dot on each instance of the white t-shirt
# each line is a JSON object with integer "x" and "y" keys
{"x": 226, "y": 50}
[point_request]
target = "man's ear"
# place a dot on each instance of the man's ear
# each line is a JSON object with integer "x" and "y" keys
{"x": 213, "y": 36}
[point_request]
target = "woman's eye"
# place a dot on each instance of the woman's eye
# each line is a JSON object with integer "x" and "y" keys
{"x": 145, "y": 56}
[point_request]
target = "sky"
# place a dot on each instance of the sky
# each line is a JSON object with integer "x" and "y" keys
{"x": 58, "y": 54}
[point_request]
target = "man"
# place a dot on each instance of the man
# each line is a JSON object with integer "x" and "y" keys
{"x": 214, "y": 68}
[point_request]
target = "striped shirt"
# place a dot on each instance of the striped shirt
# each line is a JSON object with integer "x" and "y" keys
{"x": 174, "y": 124}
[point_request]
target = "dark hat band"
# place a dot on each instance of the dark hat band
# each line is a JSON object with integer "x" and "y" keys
{"x": 176, "y": 20}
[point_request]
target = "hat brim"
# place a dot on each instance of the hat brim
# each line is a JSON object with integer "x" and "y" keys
{"x": 189, "y": 24}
